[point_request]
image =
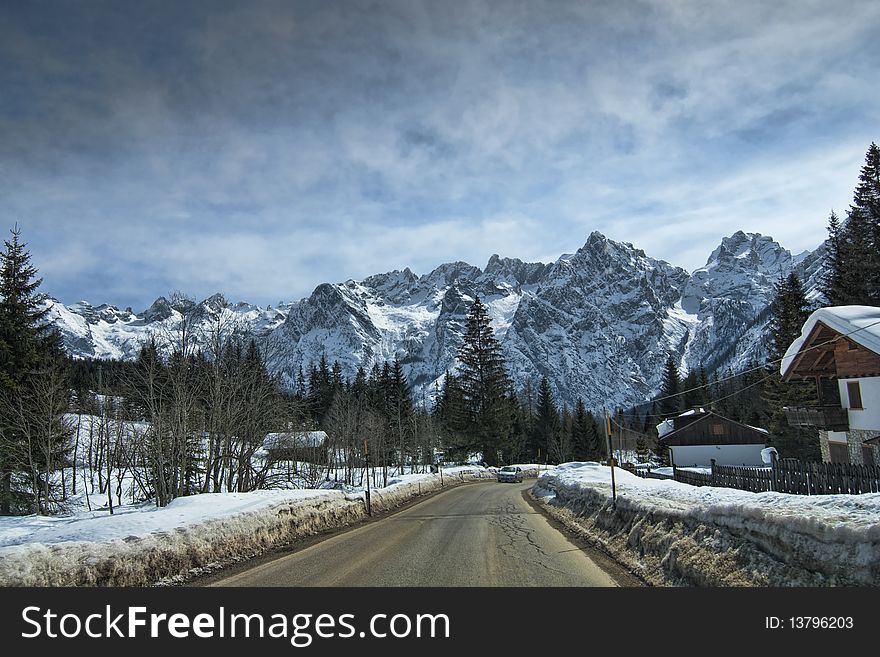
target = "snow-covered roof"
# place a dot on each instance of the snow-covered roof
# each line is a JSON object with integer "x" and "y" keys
{"x": 861, "y": 324}
{"x": 668, "y": 425}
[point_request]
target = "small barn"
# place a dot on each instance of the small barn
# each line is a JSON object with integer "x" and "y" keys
{"x": 699, "y": 436}
{"x": 308, "y": 446}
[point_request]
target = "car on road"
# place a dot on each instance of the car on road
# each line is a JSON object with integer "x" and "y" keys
{"x": 510, "y": 473}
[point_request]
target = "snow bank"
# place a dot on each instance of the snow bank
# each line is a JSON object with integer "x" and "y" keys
{"x": 674, "y": 533}
{"x": 146, "y": 545}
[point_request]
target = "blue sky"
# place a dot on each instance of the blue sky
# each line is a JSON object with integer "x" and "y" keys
{"x": 261, "y": 148}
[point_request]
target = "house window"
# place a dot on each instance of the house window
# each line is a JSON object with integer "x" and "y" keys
{"x": 855, "y": 394}
{"x": 717, "y": 429}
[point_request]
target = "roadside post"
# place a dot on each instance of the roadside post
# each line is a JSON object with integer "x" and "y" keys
{"x": 611, "y": 457}
{"x": 367, "y": 464}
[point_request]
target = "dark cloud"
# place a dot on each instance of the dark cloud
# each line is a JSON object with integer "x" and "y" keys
{"x": 260, "y": 148}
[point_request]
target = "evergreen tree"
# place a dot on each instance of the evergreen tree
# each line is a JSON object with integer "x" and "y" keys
{"x": 28, "y": 346}
{"x": 693, "y": 395}
{"x": 580, "y": 433}
{"x": 448, "y": 412}
{"x": 788, "y": 312}
{"x": 545, "y": 434}
{"x": 833, "y": 283}
{"x": 400, "y": 410}
{"x": 485, "y": 386}
{"x": 866, "y": 210}
{"x": 26, "y": 338}
{"x": 359, "y": 387}
{"x": 852, "y": 274}
{"x": 323, "y": 385}
{"x": 670, "y": 402}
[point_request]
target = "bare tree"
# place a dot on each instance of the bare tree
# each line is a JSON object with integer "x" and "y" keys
{"x": 36, "y": 413}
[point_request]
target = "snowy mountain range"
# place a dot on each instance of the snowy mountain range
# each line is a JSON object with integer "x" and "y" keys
{"x": 598, "y": 323}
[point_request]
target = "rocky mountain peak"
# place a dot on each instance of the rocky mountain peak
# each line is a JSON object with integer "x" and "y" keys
{"x": 158, "y": 311}
{"x": 750, "y": 252}
{"x": 513, "y": 271}
{"x": 598, "y": 323}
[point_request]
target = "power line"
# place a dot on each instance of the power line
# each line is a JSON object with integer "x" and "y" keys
{"x": 738, "y": 374}
{"x": 708, "y": 403}
{"x": 753, "y": 369}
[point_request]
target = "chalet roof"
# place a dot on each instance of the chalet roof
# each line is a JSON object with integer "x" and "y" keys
{"x": 860, "y": 325}
{"x": 671, "y": 424}
{"x": 692, "y": 428}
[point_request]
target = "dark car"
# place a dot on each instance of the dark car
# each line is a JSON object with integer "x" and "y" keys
{"x": 510, "y": 473}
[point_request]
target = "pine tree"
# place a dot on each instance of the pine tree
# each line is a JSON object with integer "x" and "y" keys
{"x": 832, "y": 279}
{"x": 670, "y": 402}
{"x": 546, "y": 425}
{"x": 864, "y": 216}
{"x": 485, "y": 386}
{"x": 788, "y": 312}
{"x": 28, "y": 346}
{"x": 322, "y": 388}
{"x": 25, "y": 336}
{"x": 692, "y": 394}
{"x": 400, "y": 410}
{"x": 581, "y": 438}
{"x": 852, "y": 273}
{"x": 448, "y": 414}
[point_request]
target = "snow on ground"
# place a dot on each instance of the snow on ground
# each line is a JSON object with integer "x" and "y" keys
{"x": 142, "y": 545}
{"x": 688, "y": 532}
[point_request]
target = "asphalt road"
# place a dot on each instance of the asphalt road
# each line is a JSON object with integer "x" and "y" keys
{"x": 483, "y": 534}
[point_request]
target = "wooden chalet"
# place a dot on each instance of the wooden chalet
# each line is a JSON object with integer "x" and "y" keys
{"x": 308, "y": 446}
{"x": 840, "y": 344}
{"x": 699, "y": 437}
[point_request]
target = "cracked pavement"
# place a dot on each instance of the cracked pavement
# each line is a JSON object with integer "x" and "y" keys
{"x": 475, "y": 535}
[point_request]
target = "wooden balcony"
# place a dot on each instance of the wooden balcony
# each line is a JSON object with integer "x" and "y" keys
{"x": 825, "y": 418}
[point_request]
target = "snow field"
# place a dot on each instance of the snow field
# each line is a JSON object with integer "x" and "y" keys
{"x": 672, "y": 533}
{"x": 192, "y": 535}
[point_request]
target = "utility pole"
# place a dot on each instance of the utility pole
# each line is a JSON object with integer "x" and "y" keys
{"x": 611, "y": 457}
{"x": 367, "y": 463}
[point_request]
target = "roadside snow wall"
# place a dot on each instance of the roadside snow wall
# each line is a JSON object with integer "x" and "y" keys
{"x": 670, "y": 533}
{"x": 179, "y": 552}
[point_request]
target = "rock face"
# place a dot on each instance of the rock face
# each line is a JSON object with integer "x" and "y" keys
{"x": 598, "y": 323}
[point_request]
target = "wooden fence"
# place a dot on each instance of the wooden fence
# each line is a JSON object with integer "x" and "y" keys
{"x": 826, "y": 478}
{"x": 692, "y": 478}
{"x": 789, "y": 476}
{"x": 757, "y": 480}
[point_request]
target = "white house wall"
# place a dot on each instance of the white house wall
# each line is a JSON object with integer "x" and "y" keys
{"x": 835, "y": 436}
{"x": 690, "y": 455}
{"x": 869, "y": 417}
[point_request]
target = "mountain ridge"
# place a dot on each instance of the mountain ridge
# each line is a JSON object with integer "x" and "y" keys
{"x": 598, "y": 323}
